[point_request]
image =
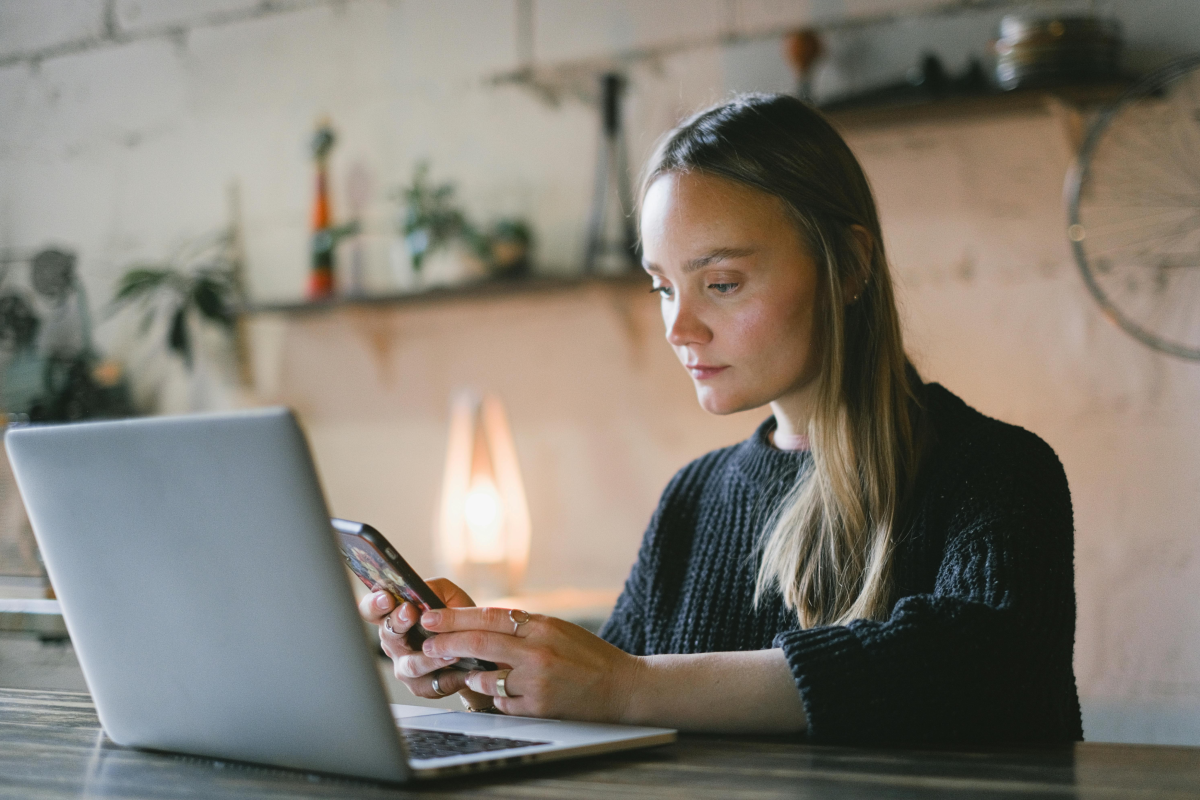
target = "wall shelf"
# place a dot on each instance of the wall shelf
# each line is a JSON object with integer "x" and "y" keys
{"x": 949, "y": 109}
{"x": 478, "y": 290}
{"x": 1075, "y": 99}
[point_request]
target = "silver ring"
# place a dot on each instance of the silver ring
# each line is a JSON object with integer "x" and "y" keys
{"x": 437, "y": 688}
{"x": 501, "y": 691}
{"x": 387, "y": 623}
{"x": 517, "y": 623}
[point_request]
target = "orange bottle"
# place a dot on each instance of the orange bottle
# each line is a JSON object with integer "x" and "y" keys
{"x": 320, "y": 278}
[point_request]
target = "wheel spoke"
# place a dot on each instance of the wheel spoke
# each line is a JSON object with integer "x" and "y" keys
{"x": 1138, "y": 203}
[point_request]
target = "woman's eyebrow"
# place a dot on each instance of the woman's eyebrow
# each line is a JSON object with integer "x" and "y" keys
{"x": 720, "y": 254}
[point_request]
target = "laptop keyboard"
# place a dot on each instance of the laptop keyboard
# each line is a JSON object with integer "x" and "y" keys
{"x": 439, "y": 744}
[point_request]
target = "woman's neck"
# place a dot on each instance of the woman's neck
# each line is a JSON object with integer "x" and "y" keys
{"x": 792, "y": 413}
{"x": 793, "y": 443}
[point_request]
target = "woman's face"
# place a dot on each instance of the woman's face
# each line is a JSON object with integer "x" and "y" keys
{"x": 738, "y": 286}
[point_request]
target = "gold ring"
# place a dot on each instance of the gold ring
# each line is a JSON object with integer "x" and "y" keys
{"x": 518, "y": 621}
{"x": 437, "y": 688}
{"x": 485, "y": 710}
{"x": 501, "y": 691}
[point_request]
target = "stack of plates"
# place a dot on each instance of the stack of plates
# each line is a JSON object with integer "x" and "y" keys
{"x": 1056, "y": 50}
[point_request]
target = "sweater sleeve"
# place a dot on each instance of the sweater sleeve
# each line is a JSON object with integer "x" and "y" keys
{"x": 986, "y": 655}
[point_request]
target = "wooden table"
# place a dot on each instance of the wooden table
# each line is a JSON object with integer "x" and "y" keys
{"x": 51, "y": 746}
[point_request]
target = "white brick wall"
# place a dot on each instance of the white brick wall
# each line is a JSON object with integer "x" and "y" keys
{"x": 120, "y": 139}
{"x": 27, "y": 26}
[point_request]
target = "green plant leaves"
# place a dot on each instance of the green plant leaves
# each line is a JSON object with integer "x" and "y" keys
{"x": 432, "y": 219}
{"x": 204, "y": 284}
{"x": 179, "y": 339}
{"x": 209, "y": 296}
{"x": 139, "y": 282}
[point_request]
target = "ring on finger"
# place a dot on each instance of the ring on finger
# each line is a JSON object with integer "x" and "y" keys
{"x": 484, "y": 710}
{"x": 387, "y": 623}
{"x": 501, "y": 689}
{"x": 518, "y": 618}
{"x": 437, "y": 687}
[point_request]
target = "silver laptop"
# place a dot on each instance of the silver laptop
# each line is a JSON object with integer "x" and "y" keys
{"x": 211, "y": 613}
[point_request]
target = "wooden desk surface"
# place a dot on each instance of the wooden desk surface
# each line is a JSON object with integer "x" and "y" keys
{"x": 51, "y": 746}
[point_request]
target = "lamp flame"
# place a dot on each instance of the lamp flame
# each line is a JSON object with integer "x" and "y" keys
{"x": 483, "y": 521}
{"x": 484, "y": 517}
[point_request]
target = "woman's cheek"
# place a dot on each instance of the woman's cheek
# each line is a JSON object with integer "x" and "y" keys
{"x": 752, "y": 333}
{"x": 773, "y": 345}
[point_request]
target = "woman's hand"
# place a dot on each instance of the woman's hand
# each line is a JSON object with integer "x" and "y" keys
{"x": 554, "y": 669}
{"x": 412, "y": 667}
{"x": 550, "y": 668}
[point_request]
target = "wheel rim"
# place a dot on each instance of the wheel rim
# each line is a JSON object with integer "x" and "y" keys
{"x": 1133, "y": 203}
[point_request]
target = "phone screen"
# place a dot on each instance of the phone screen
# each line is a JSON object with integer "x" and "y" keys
{"x": 380, "y": 567}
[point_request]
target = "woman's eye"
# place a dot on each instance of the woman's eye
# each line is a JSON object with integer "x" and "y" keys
{"x": 722, "y": 288}
{"x": 664, "y": 291}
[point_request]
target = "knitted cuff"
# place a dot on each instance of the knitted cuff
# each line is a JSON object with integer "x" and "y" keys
{"x": 832, "y": 672}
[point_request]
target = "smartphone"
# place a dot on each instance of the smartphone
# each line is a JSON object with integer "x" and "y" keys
{"x": 377, "y": 564}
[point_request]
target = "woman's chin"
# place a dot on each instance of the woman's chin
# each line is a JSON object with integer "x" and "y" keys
{"x": 718, "y": 403}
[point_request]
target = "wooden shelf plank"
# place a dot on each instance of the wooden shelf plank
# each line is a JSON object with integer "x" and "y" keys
{"x": 1019, "y": 101}
{"x": 479, "y": 290}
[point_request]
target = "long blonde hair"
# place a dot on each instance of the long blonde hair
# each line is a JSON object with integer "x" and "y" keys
{"x": 831, "y": 539}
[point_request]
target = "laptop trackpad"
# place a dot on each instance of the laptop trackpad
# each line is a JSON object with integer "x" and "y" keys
{"x": 467, "y": 723}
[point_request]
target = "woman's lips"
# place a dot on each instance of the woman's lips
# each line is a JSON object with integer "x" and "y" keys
{"x": 703, "y": 372}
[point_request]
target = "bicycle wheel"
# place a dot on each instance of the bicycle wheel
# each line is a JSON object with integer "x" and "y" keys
{"x": 1133, "y": 209}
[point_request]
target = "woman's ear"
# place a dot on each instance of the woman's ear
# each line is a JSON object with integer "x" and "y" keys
{"x": 856, "y": 279}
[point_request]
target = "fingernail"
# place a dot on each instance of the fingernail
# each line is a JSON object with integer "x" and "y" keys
{"x": 427, "y": 647}
{"x": 431, "y": 618}
{"x": 383, "y": 600}
{"x": 407, "y": 613}
{"x": 449, "y": 658}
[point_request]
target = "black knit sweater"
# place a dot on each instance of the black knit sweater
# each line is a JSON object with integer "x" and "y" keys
{"x": 979, "y": 641}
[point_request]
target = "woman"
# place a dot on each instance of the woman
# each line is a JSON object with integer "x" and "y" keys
{"x": 877, "y": 563}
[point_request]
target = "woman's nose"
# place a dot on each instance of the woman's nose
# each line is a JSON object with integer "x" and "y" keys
{"x": 684, "y": 326}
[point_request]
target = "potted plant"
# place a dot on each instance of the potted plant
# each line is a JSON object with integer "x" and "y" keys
{"x": 200, "y": 284}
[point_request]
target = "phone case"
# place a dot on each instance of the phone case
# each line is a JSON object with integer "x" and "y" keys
{"x": 378, "y": 565}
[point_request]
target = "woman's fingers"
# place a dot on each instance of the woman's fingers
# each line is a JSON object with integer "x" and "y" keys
{"x": 410, "y": 667}
{"x": 451, "y": 594}
{"x": 450, "y": 682}
{"x": 551, "y": 668}
{"x": 415, "y": 665}
{"x": 489, "y": 683}
{"x": 375, "y": 606}
{"x": 520, "y": 697}
{"x": 395, "y": 625}
{"x": 497, "y": 620}
{"x": 476, "y": 644}
{"x": 414, "y": 668}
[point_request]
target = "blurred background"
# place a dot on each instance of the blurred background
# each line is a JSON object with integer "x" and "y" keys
{"x": 407, "y": 220}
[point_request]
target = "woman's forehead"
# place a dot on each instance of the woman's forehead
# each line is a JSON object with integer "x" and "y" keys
{"x": 708, "y": 210}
